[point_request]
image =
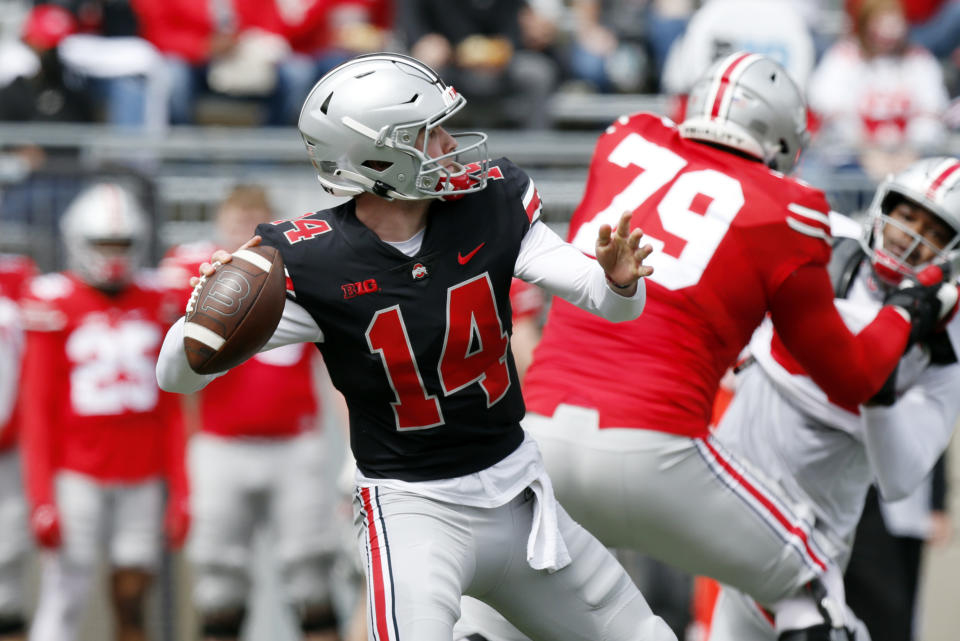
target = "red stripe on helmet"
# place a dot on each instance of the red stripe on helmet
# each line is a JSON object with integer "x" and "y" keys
{"x": 724, "y": 83}
{"x": 939, "y": 180}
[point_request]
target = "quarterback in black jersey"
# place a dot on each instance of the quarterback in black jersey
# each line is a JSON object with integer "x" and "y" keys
{"x": 405, "y": 290}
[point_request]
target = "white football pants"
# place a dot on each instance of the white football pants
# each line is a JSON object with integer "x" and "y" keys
{"x": 421, "y": 555}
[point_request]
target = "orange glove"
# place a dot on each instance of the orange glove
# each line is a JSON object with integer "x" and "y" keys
{"x": 45, "y": 524}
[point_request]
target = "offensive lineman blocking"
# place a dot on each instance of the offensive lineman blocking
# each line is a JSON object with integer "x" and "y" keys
{"x": 631, "y": 456}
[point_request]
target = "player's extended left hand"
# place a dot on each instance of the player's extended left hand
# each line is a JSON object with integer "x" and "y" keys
{"x": 621, "y": 256}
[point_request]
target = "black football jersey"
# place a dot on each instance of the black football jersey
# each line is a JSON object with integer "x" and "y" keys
{"x": 419, "y": 346}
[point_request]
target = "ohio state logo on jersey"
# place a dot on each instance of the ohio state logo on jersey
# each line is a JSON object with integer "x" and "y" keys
{"x": 419, "y": 271}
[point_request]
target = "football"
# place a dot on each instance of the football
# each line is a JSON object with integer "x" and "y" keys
{"x": 233, "y": 313}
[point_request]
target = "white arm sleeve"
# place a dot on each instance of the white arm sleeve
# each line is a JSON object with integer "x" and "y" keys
{"x": 903, "y": 441}
{"x": 175, "y": 375}
{"x": 563, "y": 270}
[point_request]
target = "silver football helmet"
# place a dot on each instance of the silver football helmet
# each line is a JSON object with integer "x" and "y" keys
{"x": 105, "y": 234}
{"x": 931, "y": 183}
{"x": 361, "y": 124}
{"x": 749, "y": 103}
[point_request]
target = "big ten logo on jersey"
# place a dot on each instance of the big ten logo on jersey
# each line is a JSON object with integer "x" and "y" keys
{"x": 112, "y": 365}
{"x": 687, "y": 224}
{"x": 227, "y": 291}
{"x": 352, "y": 290}
{"x": 303, "y": 228}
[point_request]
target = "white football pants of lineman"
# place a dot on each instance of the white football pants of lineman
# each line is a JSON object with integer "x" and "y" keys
{"x": 421, "y": 555}
{"x": 125, "y": 519}
{"x": 686, "y": 502}
{"x": 237, "y": 484}
{"x": 737, "y": 617}
{"x": 15, "y": 538}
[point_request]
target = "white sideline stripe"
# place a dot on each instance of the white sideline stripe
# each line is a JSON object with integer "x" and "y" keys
{"x": 806, "y": 212}
{"x": 253, "y": 258}
{"x": 809, "y": 230}
{"x": 528, "y": 194}
{"x": 203, "y": 335}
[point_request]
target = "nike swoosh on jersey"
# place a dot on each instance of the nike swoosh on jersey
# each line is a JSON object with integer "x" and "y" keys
{"x": 463, "y": 260}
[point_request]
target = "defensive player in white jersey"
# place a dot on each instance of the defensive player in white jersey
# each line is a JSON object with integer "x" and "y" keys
{"x": 451, "y": 497}
{"x": 630, "y": 450}
{"x": 828, "y": 453}
{"x": 257, "y": 460}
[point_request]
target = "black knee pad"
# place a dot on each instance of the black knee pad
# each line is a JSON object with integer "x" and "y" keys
{"x": 317, "y": 617}
{"x": 223, "y": 623}
{"x": 12, "y": 625}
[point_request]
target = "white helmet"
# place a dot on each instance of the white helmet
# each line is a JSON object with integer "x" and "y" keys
{"x": 105, "y": 213}
{"x": 361, "y": 121}
{"x": 931, "y": 183}
{"x": 749, "y": 103}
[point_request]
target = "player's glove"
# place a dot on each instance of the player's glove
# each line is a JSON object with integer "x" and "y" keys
{"x": 45, "y": 524}
{"x": 929, "y": 304}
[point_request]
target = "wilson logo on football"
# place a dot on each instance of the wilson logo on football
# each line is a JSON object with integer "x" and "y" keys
{"x": 352, "y": 290}
{"x": 226, "y": 293}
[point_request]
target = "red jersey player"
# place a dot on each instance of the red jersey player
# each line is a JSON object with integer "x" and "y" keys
{"x": 258, "y": 459}
{"x": 100, "y": 438}
{"x": 15, "y": 543}
{"x": 628, "y": 447}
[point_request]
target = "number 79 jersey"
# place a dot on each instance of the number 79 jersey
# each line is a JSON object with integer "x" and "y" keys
{"x": 419, "y": 345}
{"x": 726, "y": 233}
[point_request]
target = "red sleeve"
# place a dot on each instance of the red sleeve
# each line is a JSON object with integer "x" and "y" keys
{"x": 849, "y": 368}
{"x": 37, "y": 441}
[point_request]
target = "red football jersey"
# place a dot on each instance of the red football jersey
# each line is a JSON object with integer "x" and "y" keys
{"x": 91, "y": 403}
{"x": 15, "y": 272}
{"x": 526, "y": 300}
{"x": 726, "y": 232}
{"x": 271, "y": 395}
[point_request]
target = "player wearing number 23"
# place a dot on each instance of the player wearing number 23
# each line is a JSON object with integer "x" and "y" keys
{"x": 405, "y": 290}
{"x": 628, "y": 447}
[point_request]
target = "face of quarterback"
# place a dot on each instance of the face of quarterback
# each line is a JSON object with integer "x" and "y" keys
{"x": 439, "y": 143}
{"x": 921, "y": 222}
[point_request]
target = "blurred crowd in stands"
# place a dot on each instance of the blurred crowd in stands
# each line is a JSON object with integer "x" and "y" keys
{"x": 152, "y": 62}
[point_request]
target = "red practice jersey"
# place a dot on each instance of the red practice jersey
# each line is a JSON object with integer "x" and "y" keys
{"x": 272, "y": 395}
{"x": 15, "y": 272}
{"x": 91, "y": 403}
{"x": 726, "y": 233}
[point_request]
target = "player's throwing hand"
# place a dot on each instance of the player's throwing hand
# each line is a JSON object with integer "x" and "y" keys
{"x": 620, "y": 255}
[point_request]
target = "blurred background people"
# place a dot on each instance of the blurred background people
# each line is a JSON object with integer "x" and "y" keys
{"x": 257, "y": 462}
{"x": 879, "y": 98}
{"x": 103, "y": 445}
{"x": 15, "y": 542}
{"x": 479, "y": 49}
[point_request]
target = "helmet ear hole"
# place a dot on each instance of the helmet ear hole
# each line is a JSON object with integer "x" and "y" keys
{"x": 377, "y": 165}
